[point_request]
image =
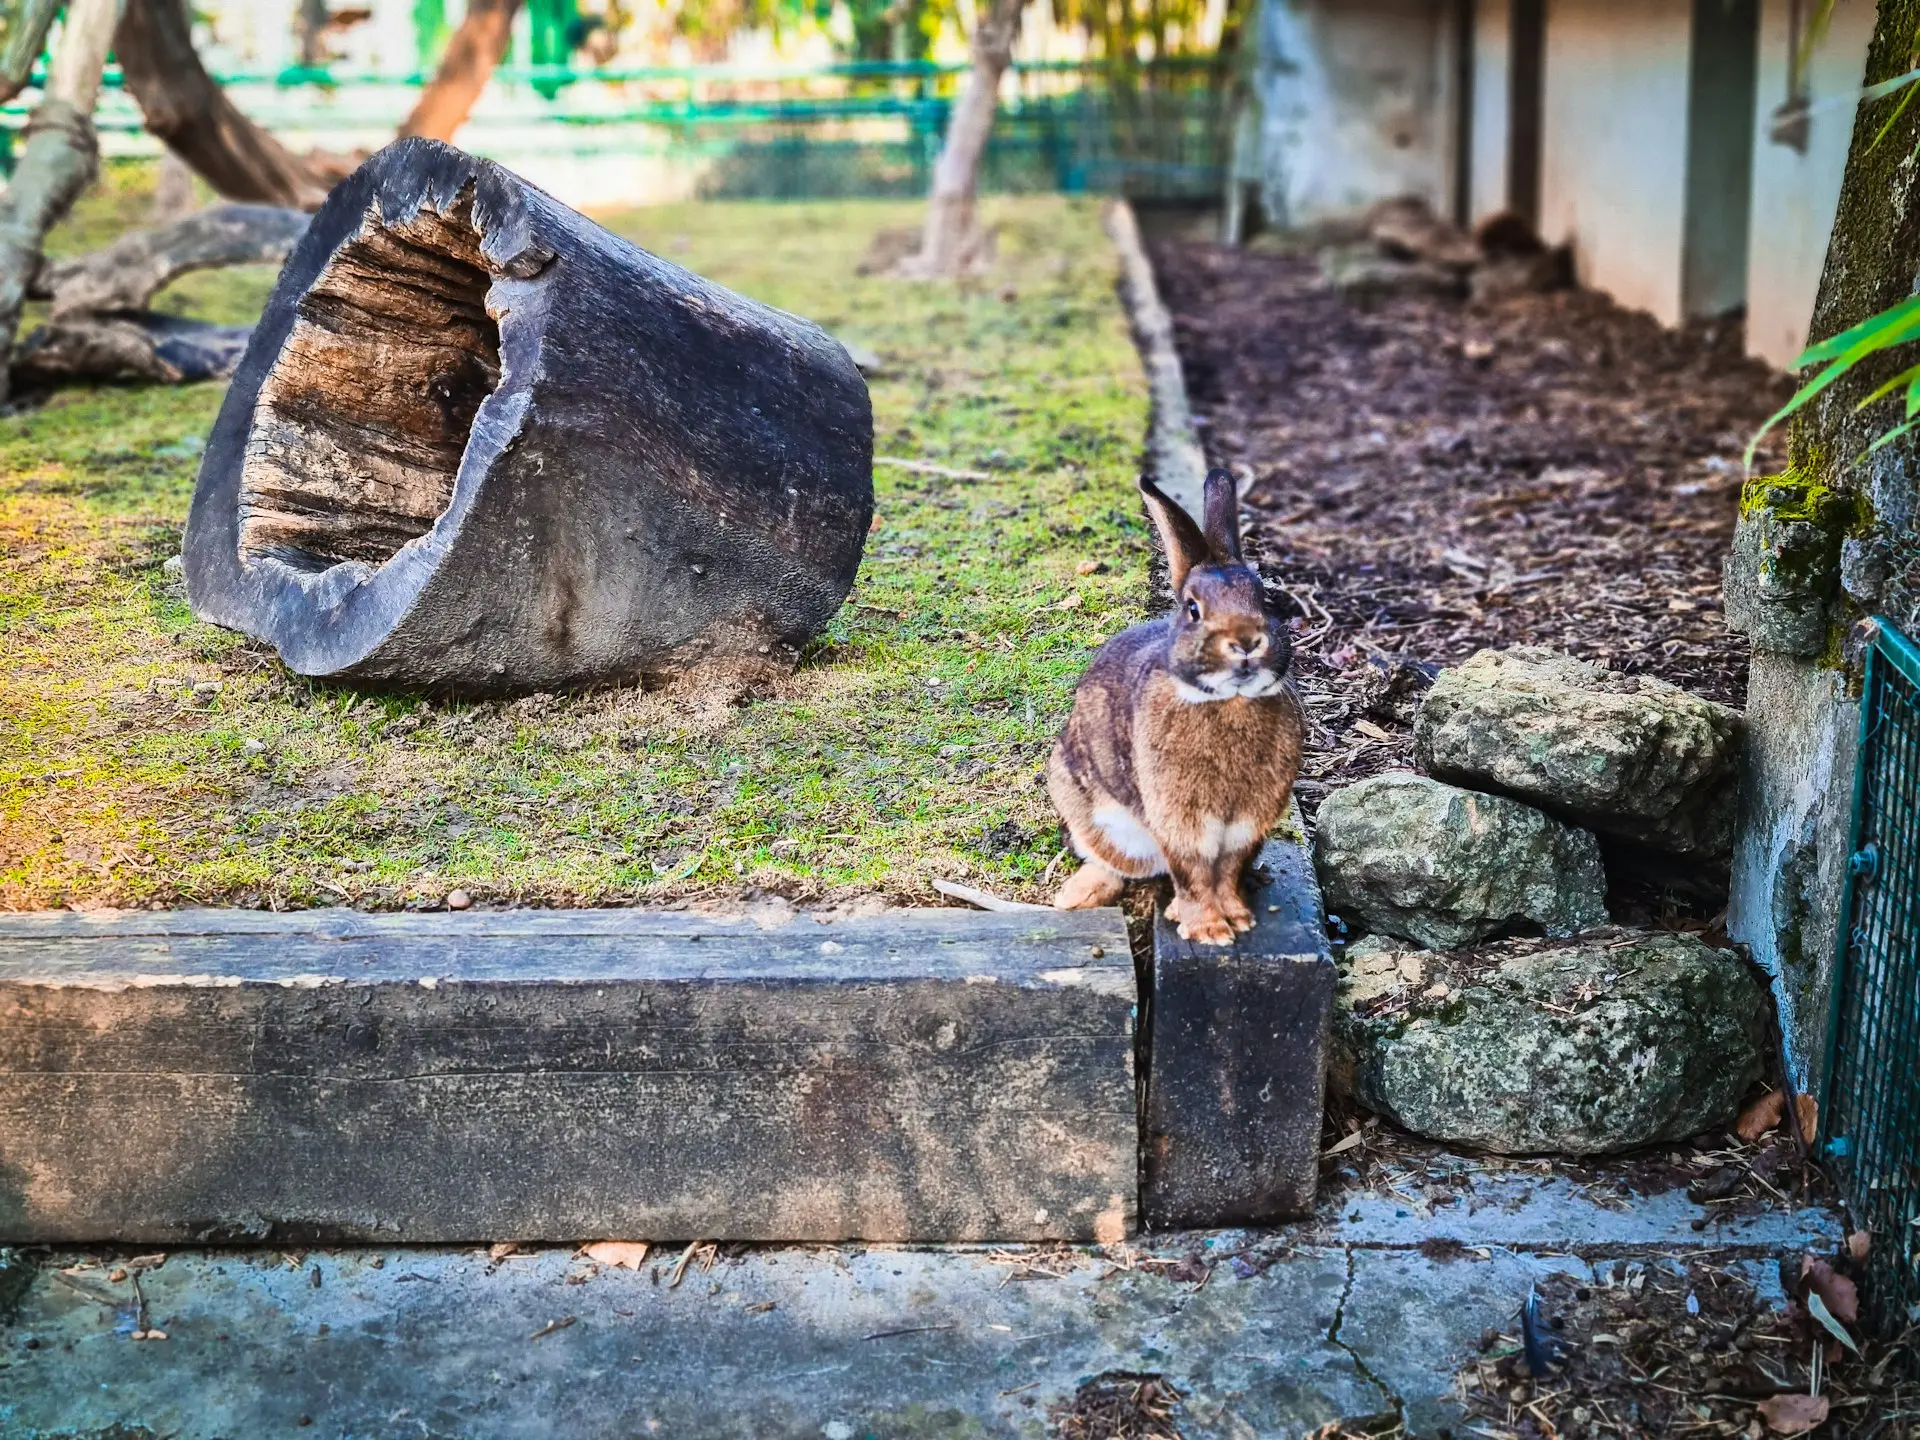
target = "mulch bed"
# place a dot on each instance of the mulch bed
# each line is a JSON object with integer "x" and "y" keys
{"x": 1673, "y": 1349}
{"x": 1426, "y": 478}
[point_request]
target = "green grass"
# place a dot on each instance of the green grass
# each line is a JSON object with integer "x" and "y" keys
{"x": 907, "y": 746}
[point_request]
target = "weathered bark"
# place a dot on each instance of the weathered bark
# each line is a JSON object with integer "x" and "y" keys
{"x": 136, "y": 345}
{"x": 924, "y": 1076}
{"x": 949, "y": 239}
{"x": 100, "y": 328}
{"x": 472, "y": 53}
{"x": 192, "y": 115}
{"x": 23, "y": 35}
{"x": 132, "y": 270}
{"x": 480, "y": 445}
{"x": 60, "y": 158}
{"x": 1236, "y": 1083}
{"x": 1819, "y": 547}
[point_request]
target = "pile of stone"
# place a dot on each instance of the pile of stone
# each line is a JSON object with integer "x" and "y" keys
{"x": 1406, "y": 248}
{"x": 1539, "y": 772}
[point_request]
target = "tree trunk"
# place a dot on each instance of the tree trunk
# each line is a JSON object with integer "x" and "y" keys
{"x": 948, "y": 241}
{"x": 189, "y": 112}
{"x": 1819, "y": 547}
{"x": 23, "y": 35}
{"x": 471, "y": 55}
{"x": 479, "y": 445}
{"x": 59, "y": 161}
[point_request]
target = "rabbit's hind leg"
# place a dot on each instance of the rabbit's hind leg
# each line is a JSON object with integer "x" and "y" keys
{"x": 1089, "y": 887}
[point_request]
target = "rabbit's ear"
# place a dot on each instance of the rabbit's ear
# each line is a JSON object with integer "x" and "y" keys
{"x": 1183, "y": 541}
{"x": 1222, "y": 516}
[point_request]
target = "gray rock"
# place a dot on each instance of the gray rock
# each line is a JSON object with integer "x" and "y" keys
{"x": 1442, "y": 866}
{"x": 1626, "y": 755}
{"x": 1619, "y": 1040}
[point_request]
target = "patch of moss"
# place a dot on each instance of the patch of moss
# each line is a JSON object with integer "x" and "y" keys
{"x": 907, "y": 746}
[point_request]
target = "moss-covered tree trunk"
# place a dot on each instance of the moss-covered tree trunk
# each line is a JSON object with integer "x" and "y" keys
{"x": 61, "y": 157}
{"x": 1821, "y": 546}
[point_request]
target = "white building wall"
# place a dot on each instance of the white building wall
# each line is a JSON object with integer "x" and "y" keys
{"x": 1795, "y": 196}
{"x": 1355, "y": 105}
{"x": 1613, "y": 163}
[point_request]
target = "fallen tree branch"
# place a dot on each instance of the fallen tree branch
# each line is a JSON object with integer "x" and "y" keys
{"x": 129, "y": 272}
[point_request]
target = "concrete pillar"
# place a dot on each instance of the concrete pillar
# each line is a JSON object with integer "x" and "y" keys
{"x": 1613, "y": 158}
{"x": 1357, "y": 105}
{"x": 1795, "y": 191}
{"x": 1488, "y": 184}
{"x": 1645, "y": 149}
{"x": 1719, "y": 193}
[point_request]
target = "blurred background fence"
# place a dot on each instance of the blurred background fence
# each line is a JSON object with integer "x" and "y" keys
{"x": 624, "y": 136}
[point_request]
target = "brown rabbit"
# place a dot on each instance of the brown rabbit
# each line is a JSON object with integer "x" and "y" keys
{"x": 1185, "y": 735}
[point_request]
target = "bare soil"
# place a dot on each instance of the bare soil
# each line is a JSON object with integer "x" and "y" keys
{"x": 1425, "y": 478}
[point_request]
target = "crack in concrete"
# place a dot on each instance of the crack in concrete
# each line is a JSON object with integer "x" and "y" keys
{"x": 1398, "y": 1407}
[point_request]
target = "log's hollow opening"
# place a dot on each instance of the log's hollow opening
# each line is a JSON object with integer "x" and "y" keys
{"x": 360, "y": 425}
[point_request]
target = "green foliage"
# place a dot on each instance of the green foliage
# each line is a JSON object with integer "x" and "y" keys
{"x": 1878, "y": 335}
{"x": 1839, "y": 356}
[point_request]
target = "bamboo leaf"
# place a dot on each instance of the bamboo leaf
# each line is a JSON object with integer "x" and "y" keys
{"x": 1907, "y": 377}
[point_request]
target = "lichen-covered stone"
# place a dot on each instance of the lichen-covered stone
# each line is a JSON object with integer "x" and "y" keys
{"x": 1625, "y": 755}
{"x": 1619, "y": 1040}
{"x": 1442, "y": 866}
{"x": 1784, "y": 566}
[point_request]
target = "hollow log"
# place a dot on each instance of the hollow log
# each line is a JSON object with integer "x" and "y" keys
{"x": 479, "y": 445}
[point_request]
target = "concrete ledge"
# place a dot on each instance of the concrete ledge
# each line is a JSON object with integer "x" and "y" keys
{"x": 1237, "y": 1078}
{"x": 932, "y": 1075}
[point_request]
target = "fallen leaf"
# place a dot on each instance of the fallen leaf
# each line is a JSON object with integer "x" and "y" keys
{"x": 1808, "y": 1109}
{"x": 499, "y": 1252}
{"x": 1817, "y": 1308}
{"x": 628, "y": 1255}
{"x": 1836, "y": 1290}
{"x": 1761, "y": 1116}
{"x": 1340, "y": 1147}
{"x": 1090, "y": 567}
{"x": 1858, "y": 1244}
{"x": 1794, "y": 1414}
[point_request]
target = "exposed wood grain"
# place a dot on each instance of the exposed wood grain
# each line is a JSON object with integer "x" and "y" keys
{"x": 361, "y": 422}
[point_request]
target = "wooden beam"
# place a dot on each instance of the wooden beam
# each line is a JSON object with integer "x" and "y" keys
{"x": 1236, "y": 1080}
{"x": 204, "y": 1076}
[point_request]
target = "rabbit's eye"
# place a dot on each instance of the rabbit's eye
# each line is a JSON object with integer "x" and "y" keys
{"x": 1193, "y": 609}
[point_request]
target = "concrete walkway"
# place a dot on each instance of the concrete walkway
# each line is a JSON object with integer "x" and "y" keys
{"x": 1268, "y": 1334}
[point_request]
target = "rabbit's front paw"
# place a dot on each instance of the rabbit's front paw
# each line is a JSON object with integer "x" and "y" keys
{"x": 1206, "y": 926}
{"x": 1236, "y": 913}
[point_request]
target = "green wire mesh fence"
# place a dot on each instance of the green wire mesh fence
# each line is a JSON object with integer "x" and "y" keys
{"x": 1152, "y": 131}
{"x": 1871, "y": 1107}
